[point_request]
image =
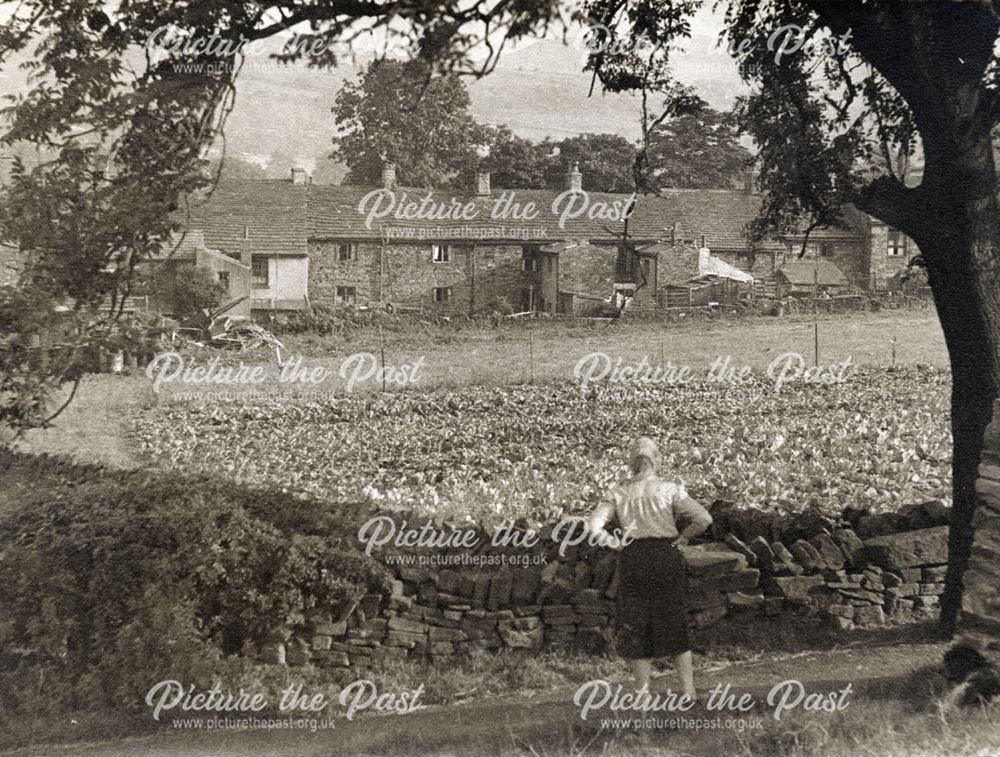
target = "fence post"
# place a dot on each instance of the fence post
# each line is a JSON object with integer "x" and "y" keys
{"x": 531, "y": 357}
{"x": 381, "y": 347}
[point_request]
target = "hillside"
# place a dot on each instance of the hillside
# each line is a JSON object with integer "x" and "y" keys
{"x": 282, "y": 116}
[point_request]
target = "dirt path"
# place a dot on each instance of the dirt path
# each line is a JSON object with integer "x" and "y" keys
{"x": 510, "y": 723}
{"x": 93, "y": 428}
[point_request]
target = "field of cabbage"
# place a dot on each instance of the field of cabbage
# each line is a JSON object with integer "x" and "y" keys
{"x": 487, "y": 453}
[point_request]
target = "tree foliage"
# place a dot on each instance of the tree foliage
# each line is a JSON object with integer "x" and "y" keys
{"x": 697, "y": 150}
{"x": 399, "y": 113}
{"x": 184, "y": 291}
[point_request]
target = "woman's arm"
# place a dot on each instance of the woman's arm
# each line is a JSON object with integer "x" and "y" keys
{"x": 697, "y": 517}
{"x": 595, "y": 524}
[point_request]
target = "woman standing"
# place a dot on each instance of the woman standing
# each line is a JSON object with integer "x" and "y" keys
{"x": 652, "y": 594}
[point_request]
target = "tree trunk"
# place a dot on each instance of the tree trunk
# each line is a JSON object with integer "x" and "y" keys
{"x": 953, "y": 217}
{"x": 970, "y": 342}
{"x": 962, "y": 267}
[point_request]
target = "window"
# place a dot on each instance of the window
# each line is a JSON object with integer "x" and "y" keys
{"x": 625, "y": 262}
{"x": 259, "y": 274}
{"x": 645, "y": 270}
{"x": 529, "y": 261}
{"x": 440, "y": 253}
{"x": 826, "y": 250}
{"x": 442, "y": 294}
{"x": 224, "y": 279}
{"x": 895, "y": 243}
{"x": 347, "y": 295}
{"x": 347, "y": 251}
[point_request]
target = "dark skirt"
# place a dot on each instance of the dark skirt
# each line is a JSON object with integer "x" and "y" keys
{"x": 652, "y": 600}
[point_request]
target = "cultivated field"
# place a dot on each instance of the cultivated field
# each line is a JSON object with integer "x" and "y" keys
{"x": 119, "y": 419}
{"x": 879, "y": 440}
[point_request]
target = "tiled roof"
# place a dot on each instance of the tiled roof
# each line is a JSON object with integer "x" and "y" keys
{"x": 279, "y": 217}
{"x": 267, "y": 217}
{"x": 339, "y": 212}
{"x": 721, "y": 215}
{"x": 806, "y": 272}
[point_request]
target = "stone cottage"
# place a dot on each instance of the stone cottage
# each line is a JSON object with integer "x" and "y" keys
{"x": 556, "y": 251}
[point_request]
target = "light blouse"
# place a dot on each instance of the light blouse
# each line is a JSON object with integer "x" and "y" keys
{"x": 652, "y": 508}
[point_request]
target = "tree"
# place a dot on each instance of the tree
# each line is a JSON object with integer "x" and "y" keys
{"x": 605, "y": 160}
{"x": 697, "y": 150}
{"x": 184, "y": 291}
{"x": 83, "y": 228}
{"x": 838, "y": 83}
{"x": 513, "y": 162}
{"x": 400, "y": 113}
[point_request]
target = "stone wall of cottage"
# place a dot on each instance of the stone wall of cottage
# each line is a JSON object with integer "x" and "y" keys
{"x": 850, "y": 257}
{"x": 678, "y": 264}
{"x": 407, "y": 275}
{"x": 588, "y": 273}
{"x": 809, "y": 569}
{"x": 882, "y": 265}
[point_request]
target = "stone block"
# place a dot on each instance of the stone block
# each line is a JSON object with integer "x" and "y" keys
{"x": 872, "y": 615}
{"x": 829, "y": 552}
{"x": 798, "y": 588}
{"x": 806, "y": 555}
{"x": 910, "y": 549}
{"x": 785, "y": 560}
{"x": 522, "y": 633}
{"x": 407, "y": 625}
{"x": 446, "y": 634}
{"x": 740, "y": 601}
{"x": 738, "y": 545}
{"x": 321, "y": 642}
{"x": 851, "y": 545}
{"x": 713, "y": 560}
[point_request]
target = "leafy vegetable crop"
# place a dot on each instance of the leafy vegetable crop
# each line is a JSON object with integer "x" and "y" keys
{"x": 484, "y": 454}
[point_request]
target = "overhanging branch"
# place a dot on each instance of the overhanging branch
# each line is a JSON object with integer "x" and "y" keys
{"x": 890, "y": 201}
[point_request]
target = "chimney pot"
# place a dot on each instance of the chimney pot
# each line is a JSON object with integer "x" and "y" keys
{"x": 575, "y": 179}
{"x": 483, "y": 183}
{"x": 389, "y": 176}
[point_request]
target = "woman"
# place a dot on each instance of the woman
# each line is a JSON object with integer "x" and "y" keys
{"x": 652, "y": 594}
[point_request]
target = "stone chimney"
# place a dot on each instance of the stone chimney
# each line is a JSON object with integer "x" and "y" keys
{"x": 389, "y": 176}
{"x": 483, "y": 183}
{"x": 575, "y": 179}
{"x": 704, "y": 259}
{"x": 751, "y": 181}
{"x": 300, "y": 176}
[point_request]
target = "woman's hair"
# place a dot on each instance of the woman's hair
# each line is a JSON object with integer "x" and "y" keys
{"x": 643, "y": 449}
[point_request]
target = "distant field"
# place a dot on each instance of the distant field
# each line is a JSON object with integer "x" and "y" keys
{"x": 451, "y": 356}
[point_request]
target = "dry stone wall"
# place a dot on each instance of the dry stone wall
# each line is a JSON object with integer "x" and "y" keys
{"x": 543, "y": 599}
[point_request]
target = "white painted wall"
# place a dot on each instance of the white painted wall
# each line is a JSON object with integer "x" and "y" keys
{"x": 288, "y": 278}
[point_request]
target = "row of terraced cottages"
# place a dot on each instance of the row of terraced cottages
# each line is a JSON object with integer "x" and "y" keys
{"x": 293, "y": 244}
